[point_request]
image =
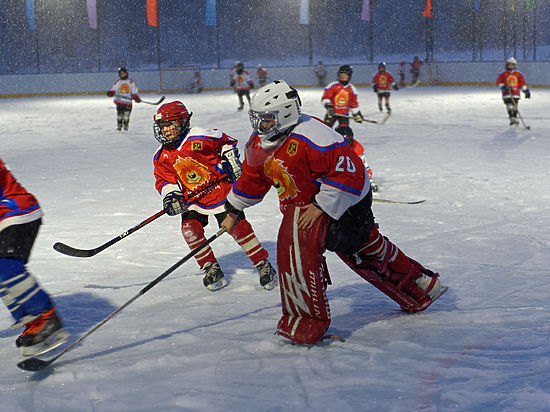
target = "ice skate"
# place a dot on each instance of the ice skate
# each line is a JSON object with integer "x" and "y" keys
{"x": 240, "y": 108}
{"x": 431, "y": 286}
{"x": 213, "y": 278}
{"x": 373, "y": 186}
{"x": 42, "y": 334}
{"x": 268, "y": 274}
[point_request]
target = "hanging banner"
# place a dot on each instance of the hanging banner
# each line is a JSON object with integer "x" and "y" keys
{"x": 477, "y": 7}
{"x": 365, "y": 11}
{"x": 30, "y": 15}
{"x": 211, "y": 19}
{"x": 428, "y": 10}
{"x": 152, "y": 15}
{"x": 92, "y": 13}
{"x": 304, "y": 11}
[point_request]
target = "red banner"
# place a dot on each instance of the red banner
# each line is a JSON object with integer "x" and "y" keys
{"x": 428, "y": 10}
{"x": 152, "y": 16}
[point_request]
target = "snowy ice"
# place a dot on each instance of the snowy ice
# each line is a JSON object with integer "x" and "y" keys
{"x": 483, "y": 346}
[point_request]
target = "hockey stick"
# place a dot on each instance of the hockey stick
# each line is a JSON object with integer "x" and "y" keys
{"x": 84, "y": 253}
{"x": 386, "y": 117}
{"x": 520, "y": 116}
{"x": 34, "y": 364}
{"x": 414, "y": 202}
{"x": 154, "y": 103}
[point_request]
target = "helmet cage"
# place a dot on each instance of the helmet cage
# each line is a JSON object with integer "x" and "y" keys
{"x": 171, "y": 114}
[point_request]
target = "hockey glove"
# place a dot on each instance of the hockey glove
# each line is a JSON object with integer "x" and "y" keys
{"x": 174, "y": 203}
{"x": 136, "y": 98}
{"x": 110, "y": 93}
{"x": 230, "y": 163}
{"x": 395, "y": 86}
{"x": 506, "y": 89}
{"x": 330, "y": 110}
{"x": 527, "y": 93}
{"x": 375, "y": 88}
{"x": 358, "y": 117}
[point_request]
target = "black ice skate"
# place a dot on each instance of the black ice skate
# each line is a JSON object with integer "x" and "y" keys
{"x": 42, "y": 334}
{"x": 373, "y": 186}
{"x": 213, "y": 278}
{"x": 268, "y": 275}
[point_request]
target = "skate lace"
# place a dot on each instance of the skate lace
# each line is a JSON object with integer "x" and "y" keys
{"x": 264, "y": 268}
{"x": 36, "y": 325}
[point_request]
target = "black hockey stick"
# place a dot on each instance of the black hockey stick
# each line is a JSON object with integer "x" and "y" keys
{"x": 520, "y": 116}
{"x": 414, "y": 202}
{"x": 84, "y": 253}
{"x": 154, "y": 103}
{"x": 34, "y": 364}
{"x": 386, "y": 117}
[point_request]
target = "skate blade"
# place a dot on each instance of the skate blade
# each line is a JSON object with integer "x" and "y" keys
{"x": 271, "y": 285}
{"x": 217, "y": 285}
{"x": 442, "y": 290}
{"x": 52, "y": 342}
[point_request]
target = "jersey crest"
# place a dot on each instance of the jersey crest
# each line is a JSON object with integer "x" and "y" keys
{"x": 342, "y": 98}
{"x": 192, "y": 173}
{"x": 124, "y": 88}
{"x": 292, "y": 148}
{"x": 512, "y": 81}
{"x": 282, "y": 180}
{"x": 197, "y": 146}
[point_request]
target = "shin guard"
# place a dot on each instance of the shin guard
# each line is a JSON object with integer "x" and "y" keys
{"x": 193, "y": 233}
{"x": 303, "y": 278}
{"x": 247, "y": 240}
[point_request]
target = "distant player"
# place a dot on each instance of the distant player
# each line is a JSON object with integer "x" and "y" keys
{"x": 511, "y": 82}
{"x": 189, "y": 160}
{"x": 262, "y": 75}
{"x": 325, "y": 199}
{"x": 382, "y": 83}
{"x": 415, "y": 70}
{"x": 196, "y": 83}
{"x": 320, "y": 73}
{"x": 124, "y": 90}
{"x": 241, "y": 83}
{"x": 28, "y": 303}
{"x": 340, "y": 97}
{"x": 358, "y": 148}
{"x": 402, "y": 74}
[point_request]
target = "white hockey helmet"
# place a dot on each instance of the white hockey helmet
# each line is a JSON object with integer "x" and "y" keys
{"x": 274, "y": 108}
{"x": 509, "y": 62}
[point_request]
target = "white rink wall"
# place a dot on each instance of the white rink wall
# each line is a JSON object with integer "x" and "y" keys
{"x": 453, "y": 73}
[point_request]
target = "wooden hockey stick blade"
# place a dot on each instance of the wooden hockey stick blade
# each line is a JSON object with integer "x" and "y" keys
{"x": 154, "y": 103}
{"x": 414, "y": 202}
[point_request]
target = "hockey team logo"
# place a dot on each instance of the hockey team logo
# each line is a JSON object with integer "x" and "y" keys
{"x": 292, "y": 148}
{"x": 512, "y": 81}
{"x": 124, "y": 88}
{"x": 197, "y": 146}
{"x": 341, "y": 100}
{"x": 282, "y": 180}
{"x": 192, "y": 174}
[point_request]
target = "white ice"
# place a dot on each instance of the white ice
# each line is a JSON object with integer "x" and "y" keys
{"x": 484, "y": 346}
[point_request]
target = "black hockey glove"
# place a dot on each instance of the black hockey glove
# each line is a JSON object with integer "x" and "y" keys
{"x": 395, "y": 86}
{"x": 506, "y": 89}
{"x": 358, "y": 117}
{"x": 527, "y": 93}
{"x": 174, "y": 203}
{"x": 330, "y": 110}
{"x": 374, "y": 88}
{"x": 231, "y": 164}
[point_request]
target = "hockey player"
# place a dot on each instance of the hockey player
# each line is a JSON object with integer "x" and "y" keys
{"x": 511, "y": 82}
{"x": 262, "y": 75}
{"x": 402, "y": 74}
{"x": 241, "y": 83}
{"x": 382, "y": 82}
{"x": 320, "y": 73}
{"x": 359, "y": 150}
{"x": 189, "y": 160}
{"x": 340, "y": 97}
{"x": 415, "y": 70}
{"x": 28, "y": 303}
{"x": 195, "y": 86}
{"x": 124, "y": 90}
{"x": 325, "y": 199}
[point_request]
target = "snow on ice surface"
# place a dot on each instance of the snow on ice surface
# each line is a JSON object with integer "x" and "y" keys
{"x": 484, "y": 227}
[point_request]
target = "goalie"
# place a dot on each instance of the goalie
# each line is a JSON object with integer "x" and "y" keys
{"x": 325, "y": 198}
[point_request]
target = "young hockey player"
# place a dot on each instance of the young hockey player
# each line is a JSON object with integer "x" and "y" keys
{"x": 359, "y": 150}
{"x": 382, "y": 82}
{"x": 195, "y": 86}
{"x": 28, "y": 303}
{"x": 241, "y": 83}
{"x": 124, "y": 90}
{"x": 415, "y": 71}
{"x": 340, "y": 97}
{"x": 262, "y": 75}
{"x": 320, "y": 73}
{"x": 402, "y": 74}
{"x": 511, "y": 82}
{"x": 192, "y": 159}
{"x": 325, "y": 199}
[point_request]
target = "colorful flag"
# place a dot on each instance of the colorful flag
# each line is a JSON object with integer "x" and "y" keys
{"x": 211, "y": 13}
{"x": 30, "y": 15}
{"x": 92, "y": 13}
{"x": 530, "y": 4}
{"x": 365, "y": 11}
{"x": 152, "y": 15}
{"x": 304, "y": 11}
{"x": 428, "y": 10}
{"x": 477, "y": 7}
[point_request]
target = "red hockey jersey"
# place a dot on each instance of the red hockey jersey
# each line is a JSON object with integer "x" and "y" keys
{"x": 192, "y": 166}
{"x": 514, "y": 80}
{"x": 17, "y": 206}
{"x": 384, "y": 81}
{"x": 343, "y": 98}
{"x": 314, "y": 162}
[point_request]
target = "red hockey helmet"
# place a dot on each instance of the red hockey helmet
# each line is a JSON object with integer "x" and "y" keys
{"x": 171, "y": 122}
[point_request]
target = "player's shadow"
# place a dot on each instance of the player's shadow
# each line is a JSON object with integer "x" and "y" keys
{"x": 505, "y": 142}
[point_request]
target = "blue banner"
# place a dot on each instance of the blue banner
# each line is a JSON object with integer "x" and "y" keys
{"x": 210, "y": 13}
{"x": 477, "y": 7}
{"x": 30, "y": 15}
